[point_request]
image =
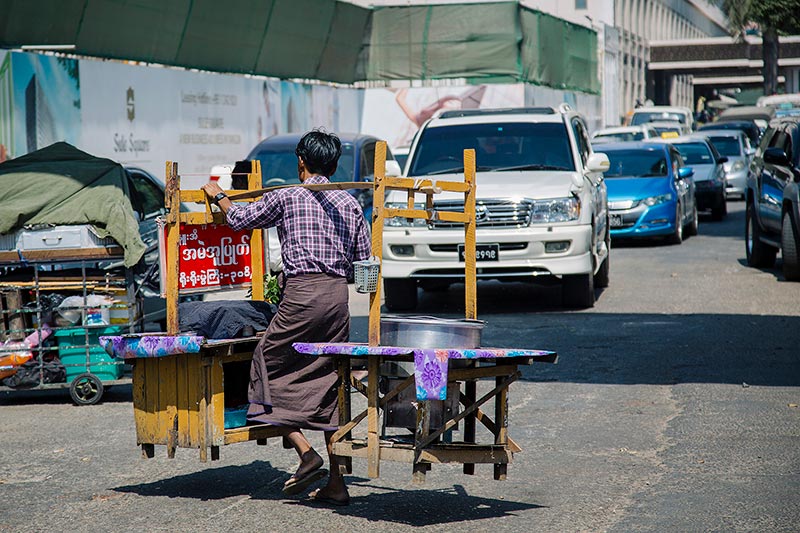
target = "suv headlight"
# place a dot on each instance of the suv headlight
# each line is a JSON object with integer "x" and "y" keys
{"x": 403, "y": 222}
{"x": 555, "y": 210}
{"x": 655, "y": 200}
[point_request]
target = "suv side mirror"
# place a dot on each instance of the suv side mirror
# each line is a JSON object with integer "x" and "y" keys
{"x": 685, "y": 172}
{"x": 723, "y": 159}
{"x": 776, "y": 156}
{"x": 598, "y": 162}
{"x": 393, "y": 168}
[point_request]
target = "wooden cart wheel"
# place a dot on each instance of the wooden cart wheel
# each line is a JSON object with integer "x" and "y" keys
{"x": 86, "y": 389}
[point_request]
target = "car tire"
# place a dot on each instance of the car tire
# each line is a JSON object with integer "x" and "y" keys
{"x": 677, "y": 235}
{"x": 789, "y": 250}
{"x": 601, "y": 279}
{"x": 691, "y": 228}
{"x": 718, "y": 213}
{"x": 400, "y": 294}
{"x": 577, "y": 291}
{"x": 759, "y": 254}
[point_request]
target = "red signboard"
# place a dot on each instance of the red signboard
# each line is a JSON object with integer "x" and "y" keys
{"x": 211, "y": 257}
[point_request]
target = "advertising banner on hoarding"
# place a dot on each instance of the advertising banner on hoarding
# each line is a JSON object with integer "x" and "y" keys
{"x": 40, "y": 102}
{"x": 396, "y": 114}
{"x": 143, "y": 116}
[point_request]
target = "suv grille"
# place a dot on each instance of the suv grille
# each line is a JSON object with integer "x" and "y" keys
{"x": 489, "y": 213}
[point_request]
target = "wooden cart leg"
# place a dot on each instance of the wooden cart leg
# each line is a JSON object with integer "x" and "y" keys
{"x": 215, "y": 453}
{"x": 203, "y": 415}
{"x": 148, "y": 451}
{"x": 286, "y": 444}
{"x": 172, "y": 437}
{"x": 261, "y": 442}
{"x": 501, "y": 424}
{"x": 420, "y": 434}
{"x": 343, "y": 369}
{"x": 470, "y": 391}
{"x": 373, "y": 442}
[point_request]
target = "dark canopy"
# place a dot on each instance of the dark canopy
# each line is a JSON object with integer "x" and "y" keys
{"x": 327, "y": 40}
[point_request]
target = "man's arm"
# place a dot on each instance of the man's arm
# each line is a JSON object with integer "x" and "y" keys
{"x": 261, "y": 214}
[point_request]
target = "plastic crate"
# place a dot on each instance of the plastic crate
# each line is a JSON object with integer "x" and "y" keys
{"x": 235, "y": 417}
{"x": 72, "y": 352}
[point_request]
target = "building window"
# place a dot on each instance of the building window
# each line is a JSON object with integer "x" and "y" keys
{"x": 580, "y": 4}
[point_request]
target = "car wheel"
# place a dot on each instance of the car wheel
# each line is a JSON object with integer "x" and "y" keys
{"x": 691, "y": 228}
{"x": 677, "y": 235}
{"x": 577, "y": 291}
{"x": 758, "y": 253}
{"x": 718, "y": 213}
{"x": 789, "y": 250}
{"x": 601, "y": 279}
{"x": 401, "y": 294}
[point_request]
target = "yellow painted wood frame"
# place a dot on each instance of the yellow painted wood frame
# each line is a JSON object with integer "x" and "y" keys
{"x": 173, "y": 196}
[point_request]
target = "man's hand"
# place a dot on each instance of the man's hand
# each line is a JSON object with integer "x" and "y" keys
{"x": 212, "y": 189}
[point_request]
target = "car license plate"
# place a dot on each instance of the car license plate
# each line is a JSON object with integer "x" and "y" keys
{"x": 615, "y": 221}
{"x": 483, "y": 252}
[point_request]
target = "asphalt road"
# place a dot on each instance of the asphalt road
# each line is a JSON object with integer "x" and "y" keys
{"x": 674, "y": 407}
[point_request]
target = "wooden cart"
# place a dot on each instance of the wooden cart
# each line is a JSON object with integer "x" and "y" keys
{"x": 183, "y": 384}
{"x": 68, "y": 272}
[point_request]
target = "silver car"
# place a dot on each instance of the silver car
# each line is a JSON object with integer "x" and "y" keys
{"x": 735, "y": 145}
{"x": 709, "y": 174}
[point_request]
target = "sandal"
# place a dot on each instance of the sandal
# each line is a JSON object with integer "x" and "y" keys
{"x": 316, "y": 497}
{"x": 296, "y": 485}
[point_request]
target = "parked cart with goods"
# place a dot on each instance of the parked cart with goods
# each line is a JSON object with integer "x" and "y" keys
{"x": 70, "y": 237}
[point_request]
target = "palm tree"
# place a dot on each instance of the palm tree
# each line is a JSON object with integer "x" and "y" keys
{"x": 772, "y": 17}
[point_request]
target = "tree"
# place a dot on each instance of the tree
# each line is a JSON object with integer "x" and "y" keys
{"x": 773, "y": 17}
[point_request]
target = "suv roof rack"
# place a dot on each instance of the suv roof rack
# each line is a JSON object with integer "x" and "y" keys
{"x": 500, "y": 111}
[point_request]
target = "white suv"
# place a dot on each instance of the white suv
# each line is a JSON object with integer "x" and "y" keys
{"x": 541, "y": 205}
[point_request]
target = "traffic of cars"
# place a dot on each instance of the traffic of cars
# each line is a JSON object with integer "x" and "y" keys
{"x": 550, "y": 199}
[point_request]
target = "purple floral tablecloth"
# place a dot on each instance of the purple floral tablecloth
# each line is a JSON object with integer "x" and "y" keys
{"x": 430, "y": 364}
{"x": 135, "y": 346}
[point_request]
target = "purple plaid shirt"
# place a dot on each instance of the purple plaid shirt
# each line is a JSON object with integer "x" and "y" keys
{"x": 320, "y": 232}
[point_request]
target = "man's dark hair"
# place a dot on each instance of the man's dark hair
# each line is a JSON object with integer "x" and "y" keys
{"x": 320, "y": 152}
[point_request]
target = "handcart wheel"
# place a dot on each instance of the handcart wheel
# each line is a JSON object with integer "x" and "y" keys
{"x": 86, "y": 389}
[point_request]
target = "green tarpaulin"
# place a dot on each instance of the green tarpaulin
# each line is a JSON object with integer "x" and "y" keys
{"x": 327, "y": 40}
{"x": 60, "y": 184}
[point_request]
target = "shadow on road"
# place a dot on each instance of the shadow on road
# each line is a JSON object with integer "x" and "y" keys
{"x": 420, "y": 507}
{"x": 662, "y": 349}
{"x": 217, "y": 483}
{"x": 116, "y": 394}
{"x": 408, "y": 507}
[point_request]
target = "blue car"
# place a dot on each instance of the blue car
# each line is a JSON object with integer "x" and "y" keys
{"x": 651, "y": 192}
{"x": 279, "y": 162}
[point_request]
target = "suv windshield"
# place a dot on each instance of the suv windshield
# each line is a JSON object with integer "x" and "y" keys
{"x": 498, "y": 146}
{"x": 657, "y": 116}
{"x": 695, "y": 153}
{"x": 636, "y": 163}
{"x": 279, "y": 166}
{"x": 726, "y": 145}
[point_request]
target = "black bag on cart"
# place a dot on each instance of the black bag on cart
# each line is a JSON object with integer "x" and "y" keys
{"x": 28, "y": 374}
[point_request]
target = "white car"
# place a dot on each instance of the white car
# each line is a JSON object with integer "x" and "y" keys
{"x": 662, "y": 113}
{"x": 541, "y": 205}
{"x": 624, "y": 134}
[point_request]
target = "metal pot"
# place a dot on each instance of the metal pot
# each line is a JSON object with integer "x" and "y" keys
{"x": 430, "y": 332}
